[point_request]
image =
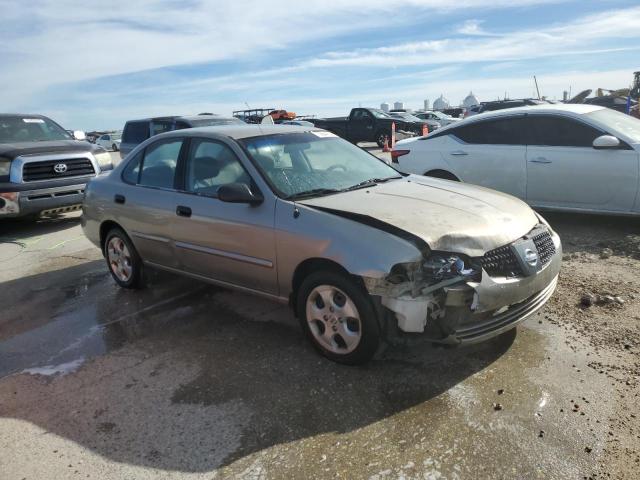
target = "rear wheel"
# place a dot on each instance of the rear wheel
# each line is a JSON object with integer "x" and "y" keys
{"x": 114, "y": 147}
{"x": 123, "y": 260}
{"x": 338, "y": 317}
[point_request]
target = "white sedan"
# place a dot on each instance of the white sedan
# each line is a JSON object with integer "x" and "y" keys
{"x": 110, "y": 141}
{"x": 581, "y": 158}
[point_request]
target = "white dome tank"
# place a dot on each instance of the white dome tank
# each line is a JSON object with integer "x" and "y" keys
{"x": 470, "y": 101}
{"x": 441, "y": 103}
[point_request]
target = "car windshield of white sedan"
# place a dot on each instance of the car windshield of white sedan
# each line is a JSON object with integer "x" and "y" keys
{"x": 315, "y": 163}
{"x": 618, "y": 122}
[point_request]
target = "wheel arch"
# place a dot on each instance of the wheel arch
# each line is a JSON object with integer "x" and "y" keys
{"x": 105, "y": 228}
{"x": 310, "y": 265}
{"x": 441, "y": 173}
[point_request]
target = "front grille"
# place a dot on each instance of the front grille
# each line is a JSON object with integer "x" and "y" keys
{"x": 501, "y": 262}
{"x": 76, "y": 167}
{"x": 544, "y": 245}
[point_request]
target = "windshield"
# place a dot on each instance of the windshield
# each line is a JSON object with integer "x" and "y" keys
{"x": 378, "y": 113}
{"x": 407, "y": 116}
{"x": 212, "y": 122}
{"x": 314, "y": 163}
{"x": 30, "y": 129}
{"x": 617, "y": 122}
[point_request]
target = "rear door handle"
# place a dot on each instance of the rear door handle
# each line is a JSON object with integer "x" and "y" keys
{"x": 459, "y": 152}
{"x": 540, "y": 160}
{"x": 183, "y": 211}
{"x": 119, "y": 199}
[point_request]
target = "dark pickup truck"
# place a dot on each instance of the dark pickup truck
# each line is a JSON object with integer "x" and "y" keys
{"x": 43, "y": 169}
{"x": 368, "y": 125}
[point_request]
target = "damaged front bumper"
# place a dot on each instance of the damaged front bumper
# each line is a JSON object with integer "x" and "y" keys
{"x": 461, "y": 311}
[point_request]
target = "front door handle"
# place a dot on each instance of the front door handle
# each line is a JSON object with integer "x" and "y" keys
{"x": 119, "y": 198}
{"x": 183, "y": 211}
{"x": 539, "y": 160}
{"x": 459, "y": 153}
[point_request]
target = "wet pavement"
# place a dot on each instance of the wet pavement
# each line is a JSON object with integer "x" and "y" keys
{"x": 186, "y": 380}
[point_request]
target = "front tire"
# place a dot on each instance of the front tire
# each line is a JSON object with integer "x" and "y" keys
{"x": 123, "y": 260}
{"x": 338, "y": 317}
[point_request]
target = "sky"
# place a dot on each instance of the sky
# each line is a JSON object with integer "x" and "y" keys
{"x": 94, "y": 65}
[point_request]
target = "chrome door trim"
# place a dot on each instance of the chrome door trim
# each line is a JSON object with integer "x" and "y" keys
{"x": 283, "y": 300}
{"x": 150, "y": 237}
{"x": 221, "y": 253}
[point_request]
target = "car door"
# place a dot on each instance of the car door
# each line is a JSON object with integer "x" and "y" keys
{"x": 490, "y": 153}
{"x": 147, "y": 201}
{"x": 228, "y": 242}
{"x": 361, "y": 126}
{"x": 565, "y": 171}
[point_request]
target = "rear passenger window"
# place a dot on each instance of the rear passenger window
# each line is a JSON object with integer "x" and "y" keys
{"x": 556, "y": 131}
{"x": 159, "y": 164}
{"x": 505, "y": 131}
{"x": 135, "y": 132}
{"x": 159, "y": 127}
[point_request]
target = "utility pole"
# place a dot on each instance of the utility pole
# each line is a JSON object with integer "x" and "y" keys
{"x": 537, "y": 89}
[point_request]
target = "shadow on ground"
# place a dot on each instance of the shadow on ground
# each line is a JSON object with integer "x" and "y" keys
{"x": 15, "y": 229}
{"x": 181, "y": 381}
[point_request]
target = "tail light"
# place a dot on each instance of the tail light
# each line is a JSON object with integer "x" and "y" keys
{"x": 398, "y": 153}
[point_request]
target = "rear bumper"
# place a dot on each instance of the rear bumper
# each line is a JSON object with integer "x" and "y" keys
{"x": 43, "y": 200}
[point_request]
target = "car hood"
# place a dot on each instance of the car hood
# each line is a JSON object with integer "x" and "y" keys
{"x": 13, "y": 150}
{"x": 448, "y": 216}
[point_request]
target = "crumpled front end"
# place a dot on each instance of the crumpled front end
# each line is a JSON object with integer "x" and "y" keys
{"x": 452, "y": 298}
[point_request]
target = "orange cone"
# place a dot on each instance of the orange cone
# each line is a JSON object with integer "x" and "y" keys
{"x": 425, "y": 130}
{"x": 386, "y": 148}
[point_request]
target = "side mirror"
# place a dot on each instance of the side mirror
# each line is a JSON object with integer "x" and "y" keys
{"x": 239, "y": 193}
{"x": 79, "y": 135}
{"x": 605, "y": 142}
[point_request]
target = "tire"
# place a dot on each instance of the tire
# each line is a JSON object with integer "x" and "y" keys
{"x": 353, "y": 337}
{"x": 380, "y": 138}
{"x": 123, "y": 260}
{"x": 114, "y": 147}
{"x": 442, "y": 174}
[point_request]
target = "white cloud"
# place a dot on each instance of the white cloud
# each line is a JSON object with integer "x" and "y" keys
{"x": 582, "y": 36}
{"x": 473, "y": 28}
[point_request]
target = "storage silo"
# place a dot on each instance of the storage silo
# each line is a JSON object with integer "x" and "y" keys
{"x": 385, "y": 107}
{"x": 427, "y": 104}
{"x": 398, "y": 106}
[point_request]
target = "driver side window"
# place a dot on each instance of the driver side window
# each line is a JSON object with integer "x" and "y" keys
{"x": 210, "y": 165}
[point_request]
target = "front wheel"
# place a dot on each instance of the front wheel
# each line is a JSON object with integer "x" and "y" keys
{"x": 338, "y": 317}
{"x": 123, "y": 260}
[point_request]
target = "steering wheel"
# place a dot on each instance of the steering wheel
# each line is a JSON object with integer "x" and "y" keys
{"x": 337, "y": 167}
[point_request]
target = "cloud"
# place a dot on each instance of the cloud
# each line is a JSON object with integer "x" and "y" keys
{"x": 581, "y": 36}
{"x": 472, "y": 28}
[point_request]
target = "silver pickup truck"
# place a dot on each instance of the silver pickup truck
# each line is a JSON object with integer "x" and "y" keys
{"x": 43, "y": 169}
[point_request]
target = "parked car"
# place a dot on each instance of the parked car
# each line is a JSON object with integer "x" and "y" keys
{"x": 297, "y": 215}
{"x": 614, "y": 102}
{"x": 110, "y": 141}
{"x": 435, "y": 116}
{"x": 408, "y": 117}
{"x": 367, "y": 125}
{"x": 43, "y": 169}
{"x": 137, "y": 131}
{"x": 563, "y": 157}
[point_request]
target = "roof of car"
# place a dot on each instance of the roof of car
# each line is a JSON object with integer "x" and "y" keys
{"x": 243, "y": 131}
{"x": 183, "y": 117}
{"x": 575, "y": 108}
